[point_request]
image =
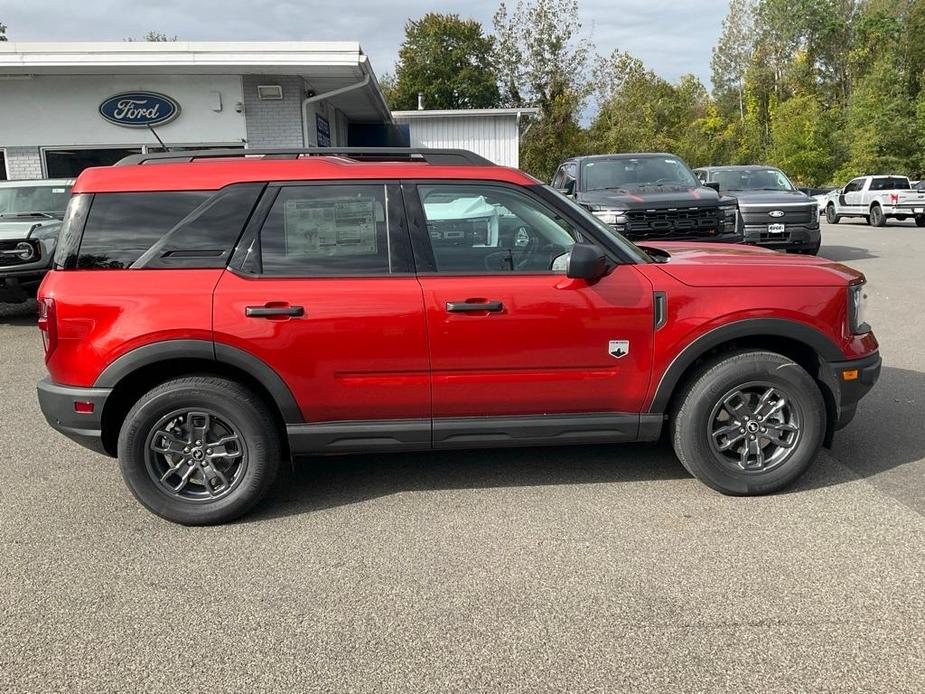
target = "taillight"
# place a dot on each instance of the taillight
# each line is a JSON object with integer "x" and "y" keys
{"x": 48, "y": 324}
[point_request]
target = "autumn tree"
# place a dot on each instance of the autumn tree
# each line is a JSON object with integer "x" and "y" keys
{"x": 448, "y": 60}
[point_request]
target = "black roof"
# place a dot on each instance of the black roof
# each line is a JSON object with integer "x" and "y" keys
{"x": 738, "y": 167}
{"x": 621, "y": 155}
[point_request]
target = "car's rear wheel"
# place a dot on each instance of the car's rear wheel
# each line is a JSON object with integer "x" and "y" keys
{"x": 830, "y": 215}
{"x": 199, "y": 450}
{"x": 877, "y": 218}
{"x": 920, "y": 220}
{"x": 749, "y": 423}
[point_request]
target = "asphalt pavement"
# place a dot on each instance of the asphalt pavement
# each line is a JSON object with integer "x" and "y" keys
{"x": 600, "y": 569}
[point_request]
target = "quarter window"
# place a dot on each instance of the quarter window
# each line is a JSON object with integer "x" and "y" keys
{"x": 327, "y": 230}
{"x": 122, "y": 226}
{"x": 491, "y": 229}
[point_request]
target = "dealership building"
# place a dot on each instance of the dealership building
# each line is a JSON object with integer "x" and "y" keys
{"x": 67, "y": 106}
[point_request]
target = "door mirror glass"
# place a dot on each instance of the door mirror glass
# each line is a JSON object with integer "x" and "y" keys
{"x": 586, "y": 262}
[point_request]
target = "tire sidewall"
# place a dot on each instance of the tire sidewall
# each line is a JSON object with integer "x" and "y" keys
{"x": 830, "y": 215}
{"x": 692, "y": 434}
{"x": 262, "y": 454}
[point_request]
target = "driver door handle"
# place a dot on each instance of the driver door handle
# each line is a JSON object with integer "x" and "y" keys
{"x": 471, "y": 306}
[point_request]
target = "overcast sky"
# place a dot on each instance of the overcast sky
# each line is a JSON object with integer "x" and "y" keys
{"x": 671, "y": 36}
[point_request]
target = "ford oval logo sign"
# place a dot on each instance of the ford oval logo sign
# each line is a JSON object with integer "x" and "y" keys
{"x": 776, "y": 213}
{"x": 139, "y": 109}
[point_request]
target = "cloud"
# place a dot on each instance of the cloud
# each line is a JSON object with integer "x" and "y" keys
{"x": 673, "y": 37}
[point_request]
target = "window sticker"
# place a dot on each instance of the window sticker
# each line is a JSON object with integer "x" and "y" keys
{"x": 331, "y": 227}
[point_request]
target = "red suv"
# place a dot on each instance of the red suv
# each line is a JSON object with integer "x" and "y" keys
{"x": 211, "y": 314}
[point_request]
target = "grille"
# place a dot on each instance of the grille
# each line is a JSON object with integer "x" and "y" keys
{"x": 8, "y": 253}
{"x": 792, "y": 215}
{"x": 674, "y": 223}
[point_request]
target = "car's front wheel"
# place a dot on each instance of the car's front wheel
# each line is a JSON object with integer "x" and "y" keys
{"x": 830, "y": 216}
{"x": 749, "y": 423}
{"x": 199, "y": 450}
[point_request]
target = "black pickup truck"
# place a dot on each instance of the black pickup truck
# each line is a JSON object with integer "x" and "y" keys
{"x": 649, "y": 197}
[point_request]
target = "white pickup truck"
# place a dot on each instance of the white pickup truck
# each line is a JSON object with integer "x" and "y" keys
{"x": 877, "y": 198}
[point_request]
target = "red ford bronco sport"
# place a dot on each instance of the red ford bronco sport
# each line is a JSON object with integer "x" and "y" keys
{"x": 211, "y": 314}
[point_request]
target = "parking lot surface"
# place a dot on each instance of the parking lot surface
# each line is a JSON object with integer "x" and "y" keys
{"x": 563, "y": 569}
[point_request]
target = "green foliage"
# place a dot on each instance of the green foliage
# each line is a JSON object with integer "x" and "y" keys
{"x": 449, "y": 61}
{"x": 2, "y": 31}
{"x": 542, "y": 57}
{"x": 804, "y": 140}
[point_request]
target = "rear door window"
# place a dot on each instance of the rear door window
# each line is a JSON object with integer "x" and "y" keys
{"x": 330, "y": 231}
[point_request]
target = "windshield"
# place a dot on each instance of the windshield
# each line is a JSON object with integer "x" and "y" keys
{"x": 32, "y": 199}
{"x": 636, "y": 172}
{"x": 752, "y": 179}
{"x": 625, "y": 244}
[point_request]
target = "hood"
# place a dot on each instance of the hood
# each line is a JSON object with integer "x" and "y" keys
{"x": 735, "y": 265}
{"x": 770, "y": 197}
{"x": 12, "y": 229}
{"x": 653, "y": 197}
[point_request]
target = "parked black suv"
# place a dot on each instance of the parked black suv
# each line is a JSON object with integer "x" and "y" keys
{"x": 773, "y": 213}
{"x": 649, "y": 197}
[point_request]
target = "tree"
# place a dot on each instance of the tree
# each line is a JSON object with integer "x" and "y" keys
{"x": 2, "y": 31}
{"x": 154, "y": 37}
{"x": 733, "y": 53}
{"x": 448, "y": 60}
{"x": 804, "y": 140}
{"x": 542, "y": 57}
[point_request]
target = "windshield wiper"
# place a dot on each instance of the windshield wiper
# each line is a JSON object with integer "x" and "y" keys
{"x": 26, "y": 215}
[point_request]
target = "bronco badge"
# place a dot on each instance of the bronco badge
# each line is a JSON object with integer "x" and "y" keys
{"x": 618, "y": 348}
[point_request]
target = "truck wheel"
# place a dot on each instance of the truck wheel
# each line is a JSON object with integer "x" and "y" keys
{"x": 749, "y": 423}
{"x": 920, "y": 220}
{"x": 830, "y": 215}
{"x": 199, "y": 450}
{"x": 877, "y": 218}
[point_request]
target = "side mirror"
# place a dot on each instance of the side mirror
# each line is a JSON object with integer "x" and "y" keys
{"x": 712, "y": 184}
{"x": 586, "y": 262}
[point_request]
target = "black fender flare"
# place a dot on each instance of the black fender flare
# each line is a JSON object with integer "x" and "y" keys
{"x": 749, "y": 327}
{"x": 206, "y": 350}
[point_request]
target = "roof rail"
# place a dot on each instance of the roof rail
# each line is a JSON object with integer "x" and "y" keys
{"x": 429, "y": 156}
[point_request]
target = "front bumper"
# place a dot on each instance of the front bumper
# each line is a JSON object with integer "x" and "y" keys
{"x": 849, "y": 381}
{"x": 797, "y": 237}
{"x": 18, "y": 285}
{"x": 58, "y": 406}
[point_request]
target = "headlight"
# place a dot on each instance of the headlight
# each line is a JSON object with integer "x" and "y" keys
{"x": 730, "y": 215}
{"x": 610, "y": 215}
{"x": 48, "y": 231}
{"x": 857, "y": 309}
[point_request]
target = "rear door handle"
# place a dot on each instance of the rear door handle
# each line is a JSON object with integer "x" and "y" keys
{"x": 272, "y": 311}
{"x": 473, "y": 306}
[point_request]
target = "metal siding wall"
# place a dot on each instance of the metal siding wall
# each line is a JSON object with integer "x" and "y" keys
{"x": 494, "y": 137}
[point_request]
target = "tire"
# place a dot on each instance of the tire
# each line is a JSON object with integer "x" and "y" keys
{"x": 221, "y": 487}
{"x": 696, "y": 425}
{"x": 830, "y": 215}
{"x": 877, "y": 218}
{"x": 920, "y": 220}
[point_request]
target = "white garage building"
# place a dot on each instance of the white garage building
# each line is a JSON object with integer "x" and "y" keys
{"x": 494, "y": 133}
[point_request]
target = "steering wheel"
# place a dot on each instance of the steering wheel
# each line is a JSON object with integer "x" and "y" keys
{"x": 506, "y": 259}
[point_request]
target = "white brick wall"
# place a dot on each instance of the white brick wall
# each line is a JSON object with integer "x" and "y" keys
{"x": 274, "y": 123}
{"x": 23, "y": 162}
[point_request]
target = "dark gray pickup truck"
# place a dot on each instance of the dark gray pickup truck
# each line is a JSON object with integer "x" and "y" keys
{"x": 773, "y": 213}
{"x": 648, "y": 197}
